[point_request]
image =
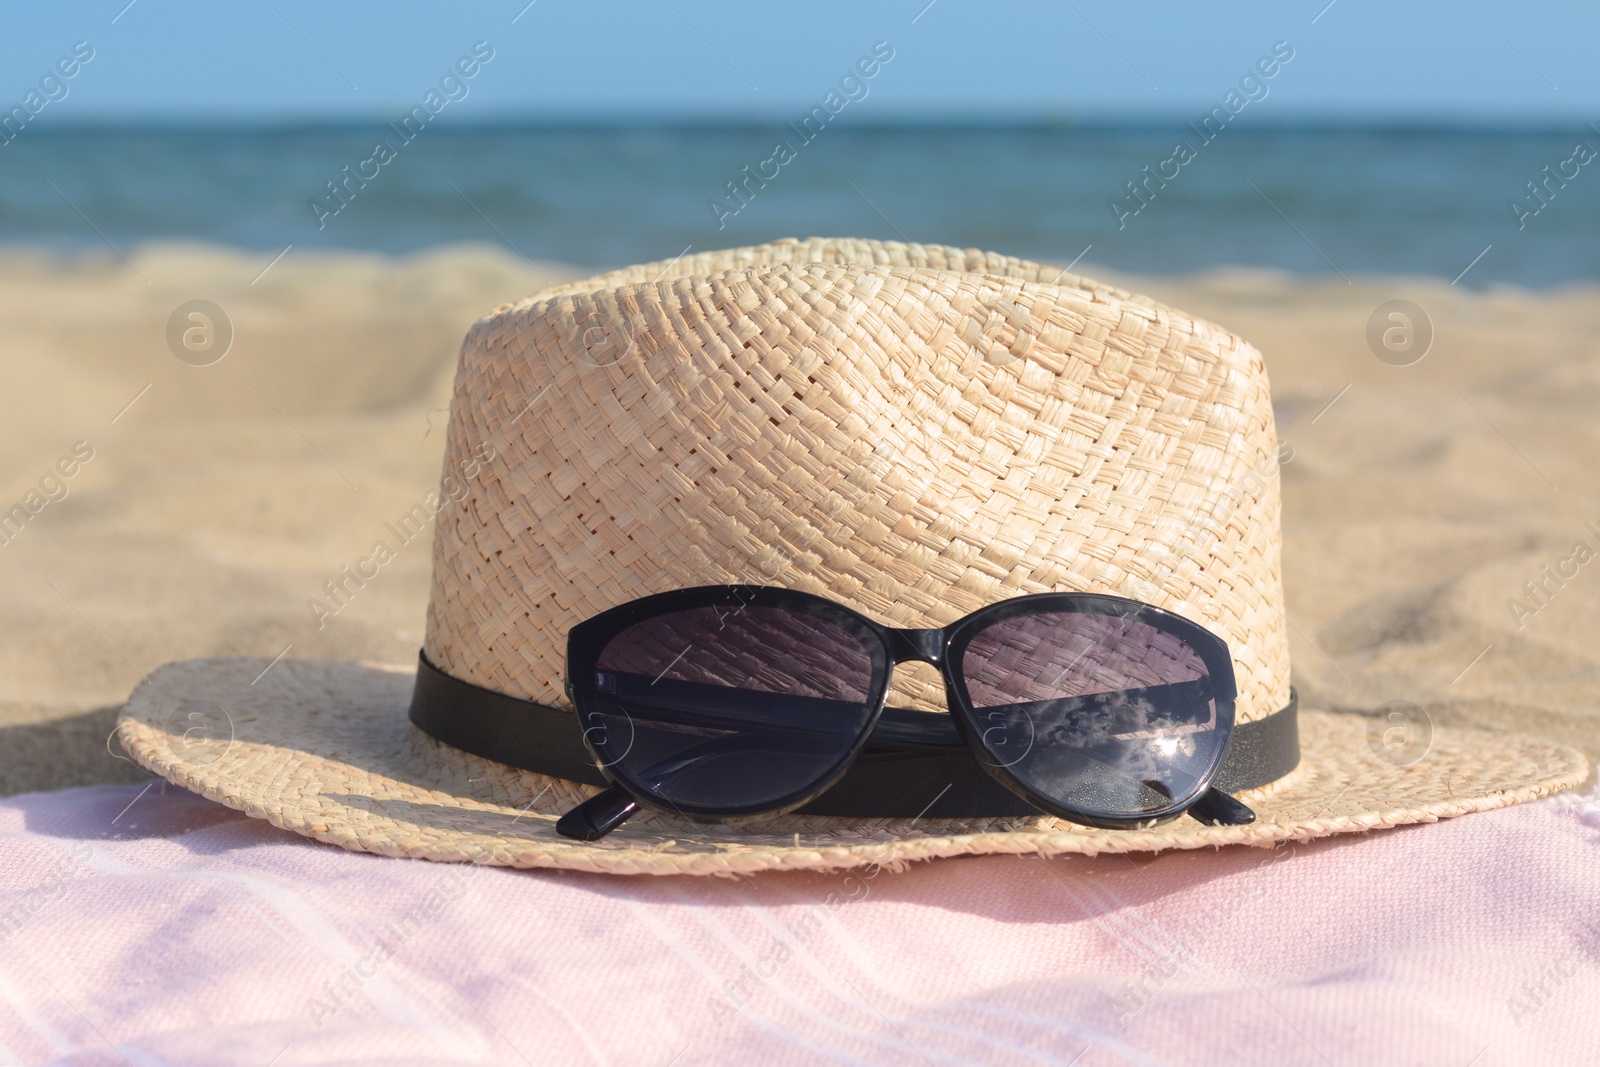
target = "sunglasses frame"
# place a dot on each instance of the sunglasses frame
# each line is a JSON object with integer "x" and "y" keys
{"x": 942, "y": 648}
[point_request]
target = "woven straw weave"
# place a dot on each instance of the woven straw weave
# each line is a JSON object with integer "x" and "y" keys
{"x": 914, "y": 431}
{"x": 324, "y": 750}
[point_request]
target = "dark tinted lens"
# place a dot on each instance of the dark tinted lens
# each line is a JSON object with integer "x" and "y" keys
{"x": 732, "y": 707}
{"x": 1105, "y": 715}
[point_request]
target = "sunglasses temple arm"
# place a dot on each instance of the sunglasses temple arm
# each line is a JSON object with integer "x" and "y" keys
{"x": 1217, "y": 808}
{"x": 597, "y": 816}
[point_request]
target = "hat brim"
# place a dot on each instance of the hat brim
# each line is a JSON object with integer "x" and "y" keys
{"x": 326, "y": 750}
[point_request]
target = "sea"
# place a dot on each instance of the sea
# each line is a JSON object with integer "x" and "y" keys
{"x": 1478, "y": 206}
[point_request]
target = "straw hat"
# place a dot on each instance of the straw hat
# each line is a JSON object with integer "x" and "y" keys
{"x": 914, "y": 431}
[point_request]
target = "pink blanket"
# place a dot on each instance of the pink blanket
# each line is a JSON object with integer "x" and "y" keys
{"x": 157, "y": 928}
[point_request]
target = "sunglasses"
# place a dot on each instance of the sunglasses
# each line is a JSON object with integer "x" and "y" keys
{"x": 732, "y": 703}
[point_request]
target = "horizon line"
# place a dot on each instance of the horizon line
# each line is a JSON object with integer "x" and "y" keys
{"x": 931, "y": 123}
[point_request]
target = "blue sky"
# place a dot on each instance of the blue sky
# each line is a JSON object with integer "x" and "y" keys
{"x": 1458, "y": 60}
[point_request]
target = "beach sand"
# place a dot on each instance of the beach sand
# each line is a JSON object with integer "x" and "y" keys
{"x": 1416, "y": 506}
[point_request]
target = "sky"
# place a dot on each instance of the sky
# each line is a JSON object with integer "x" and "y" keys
{"x": 1459, "y": 61}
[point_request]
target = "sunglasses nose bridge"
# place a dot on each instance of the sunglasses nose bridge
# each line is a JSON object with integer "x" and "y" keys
{"x": 926, "y": 646}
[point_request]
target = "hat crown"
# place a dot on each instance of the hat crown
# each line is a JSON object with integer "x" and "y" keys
{"x": 914, "y": 431}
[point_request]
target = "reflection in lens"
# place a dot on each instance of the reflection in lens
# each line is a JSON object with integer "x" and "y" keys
{"x": 737, "y": 706}
{"x": 1105, "y": 715}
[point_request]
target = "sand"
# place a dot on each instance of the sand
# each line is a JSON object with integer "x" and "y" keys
{"x": 1416, "y": 506}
